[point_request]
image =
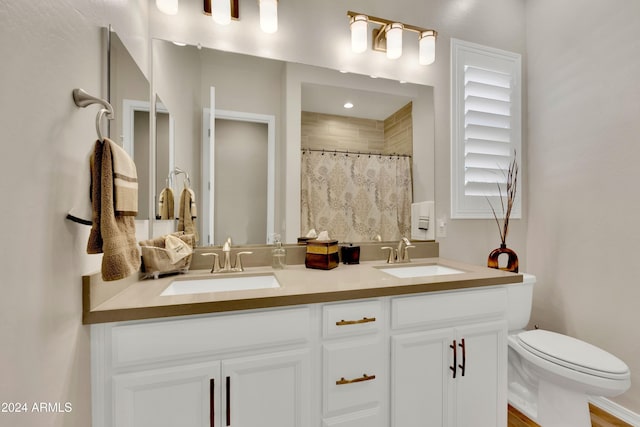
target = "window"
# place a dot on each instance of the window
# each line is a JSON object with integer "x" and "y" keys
{"x": 485, "y": 128}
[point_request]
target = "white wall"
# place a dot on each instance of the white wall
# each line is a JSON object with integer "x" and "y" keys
{"x": 48, "y": 49}
{"x": 583, "y": 241}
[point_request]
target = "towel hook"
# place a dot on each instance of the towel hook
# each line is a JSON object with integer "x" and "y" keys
{"x": 83, "y": 99}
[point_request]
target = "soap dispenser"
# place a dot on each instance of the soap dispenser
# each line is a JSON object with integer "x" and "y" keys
{"x": 279, "y": 254}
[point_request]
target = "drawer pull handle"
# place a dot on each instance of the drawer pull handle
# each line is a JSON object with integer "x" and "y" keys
{"x": 464, "y": 357}
{"x": 454, "y": 368}
{"x": 356, "y": 322}
{"x": 364, "y": 377}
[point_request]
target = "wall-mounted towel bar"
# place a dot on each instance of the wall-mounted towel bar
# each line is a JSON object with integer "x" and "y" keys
{"x": 83, "y": 99}
{"x": 175, "y": 172}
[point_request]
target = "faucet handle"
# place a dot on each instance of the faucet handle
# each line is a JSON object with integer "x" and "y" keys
{"x": 215, "y": 267}
{"x": 390, "y": 256}
{"x": 238, "y": 264}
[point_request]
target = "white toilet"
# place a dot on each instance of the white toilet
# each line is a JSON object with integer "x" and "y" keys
{"x": 551, "y": 375}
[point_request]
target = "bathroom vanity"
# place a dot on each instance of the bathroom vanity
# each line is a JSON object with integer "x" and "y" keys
{"x": 355, "y": 346}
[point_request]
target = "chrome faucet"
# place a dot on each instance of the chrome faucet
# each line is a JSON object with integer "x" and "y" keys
{"x": 401, "y": 254}
{"x": 226, "y": 265}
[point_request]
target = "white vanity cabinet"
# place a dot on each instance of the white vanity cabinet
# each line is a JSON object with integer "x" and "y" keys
{"x": 240, "y": 370}
{"x": 428, "y": 359}
{"x": 449, "y": 359}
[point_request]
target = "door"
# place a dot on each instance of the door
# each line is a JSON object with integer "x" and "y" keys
{"x": 481, "y": 385}
{"x": 421, "y": 381}
{"x": 269, "y": 390}
{"x": 179, "y": 396}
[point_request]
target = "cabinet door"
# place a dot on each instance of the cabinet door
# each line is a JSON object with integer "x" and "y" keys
{"x": 183, "y": 396}
{"x": 421, "y": 381}
{"x": 269, "y": 390}
{"x": 481, "y": 384}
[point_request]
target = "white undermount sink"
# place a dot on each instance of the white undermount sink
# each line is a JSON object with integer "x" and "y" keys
{"x": 424, "y": 270}
{"x": 221, "y": 284}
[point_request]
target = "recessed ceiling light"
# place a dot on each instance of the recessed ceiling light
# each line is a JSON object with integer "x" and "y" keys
{"x": 179, "y": 44}
{"x": 344, "y": 71}
{"x": 348, "y": 105}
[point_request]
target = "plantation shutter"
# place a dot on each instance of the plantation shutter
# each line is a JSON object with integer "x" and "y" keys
{"x": 486, "y": 129}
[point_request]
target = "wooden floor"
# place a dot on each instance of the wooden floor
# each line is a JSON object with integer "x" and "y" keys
{"x": 599, "y": 418}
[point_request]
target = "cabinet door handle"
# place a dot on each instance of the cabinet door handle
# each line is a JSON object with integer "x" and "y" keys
{"x": 454, "y": 368}
{"x": 464, "y": 356}
{"x": 228, "y": 401}
{"x": 212, "y": 412}
{"x": 355, "y": 322}
{"x": 364, "y": 377}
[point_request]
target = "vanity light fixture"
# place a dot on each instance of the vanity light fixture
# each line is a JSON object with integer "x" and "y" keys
{"x": 223, "y": 11}
{"x": 168, "y": 7}
{"x": 387, "y": 37}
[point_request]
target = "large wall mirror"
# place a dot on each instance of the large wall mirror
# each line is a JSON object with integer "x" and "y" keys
{"x": 242, "y": 123}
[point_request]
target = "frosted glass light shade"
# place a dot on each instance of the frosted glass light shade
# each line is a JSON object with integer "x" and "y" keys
{"x": 221, "y": 11}
{"x": 168, "y": 7}
{"x": 427, "y": 53}
{"x": 394, "y": 40}
{"x": 269, "y": 16}
{"x": 359, "y": 33}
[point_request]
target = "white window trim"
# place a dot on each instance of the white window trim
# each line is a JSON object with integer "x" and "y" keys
{"x": 463, "y": 54}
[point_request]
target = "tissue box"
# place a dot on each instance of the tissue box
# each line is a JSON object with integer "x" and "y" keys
{"x": 322, "y": 254}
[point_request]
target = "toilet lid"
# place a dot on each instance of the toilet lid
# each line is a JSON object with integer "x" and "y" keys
{"x": 573, "y": 353}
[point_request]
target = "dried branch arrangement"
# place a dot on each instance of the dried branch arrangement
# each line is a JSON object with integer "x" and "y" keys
{"x": 507, "y": 205}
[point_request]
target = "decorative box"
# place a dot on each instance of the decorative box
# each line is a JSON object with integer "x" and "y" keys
{"x": 322, "y": 254}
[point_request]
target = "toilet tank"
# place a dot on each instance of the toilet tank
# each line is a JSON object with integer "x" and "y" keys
{"x": 519, "y": 301}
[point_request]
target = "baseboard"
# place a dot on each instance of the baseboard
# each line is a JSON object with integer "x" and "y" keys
{"x": 616, "y": 410}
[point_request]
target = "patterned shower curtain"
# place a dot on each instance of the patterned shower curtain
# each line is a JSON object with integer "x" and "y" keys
{"x": 356, "y": 196}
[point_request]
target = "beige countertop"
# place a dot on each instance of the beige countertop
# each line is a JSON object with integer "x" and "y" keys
{"x": 132, "y": 299}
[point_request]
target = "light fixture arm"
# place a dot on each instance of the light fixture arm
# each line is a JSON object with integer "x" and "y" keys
{"x": 384, "y": 22}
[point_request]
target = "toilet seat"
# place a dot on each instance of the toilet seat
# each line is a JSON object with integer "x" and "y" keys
{"x": 573, "y": 353}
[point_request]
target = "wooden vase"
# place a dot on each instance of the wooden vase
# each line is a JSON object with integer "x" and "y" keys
{"x": 512, "y": 260}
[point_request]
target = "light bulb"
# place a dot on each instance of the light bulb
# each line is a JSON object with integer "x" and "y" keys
{"x": 269, "y": 16}
{"x": 394, "y": 40}
{"x": 427, "y": 53}
{"x": 168, "y": 7}
{"x": 359, "y": 33}
{"x": 221, "y": 11}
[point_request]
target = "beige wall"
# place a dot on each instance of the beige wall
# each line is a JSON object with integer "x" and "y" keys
{"x": 583, "y": 240}
{"x": 398, "y": 131}
{"x": 331, "y": 132}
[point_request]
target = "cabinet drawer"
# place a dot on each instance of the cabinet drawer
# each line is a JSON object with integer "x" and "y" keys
{"x": 354, "y": 374}
{"x": 446, "y": 307}
{"x": 136, "y": 343}
{"x": 351, "y": 318}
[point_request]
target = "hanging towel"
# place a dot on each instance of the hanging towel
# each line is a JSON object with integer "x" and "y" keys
{"x": 166, "y": 204}
{"x": 113, "y": 231}
{"x": 187, "y": 212}
{"x": 125, "y": 181}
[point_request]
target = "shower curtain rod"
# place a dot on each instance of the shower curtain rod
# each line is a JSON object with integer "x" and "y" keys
{"x": 347, "y": 152}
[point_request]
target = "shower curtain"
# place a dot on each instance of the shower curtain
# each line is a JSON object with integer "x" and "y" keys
{"x": 356, "y": 197}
